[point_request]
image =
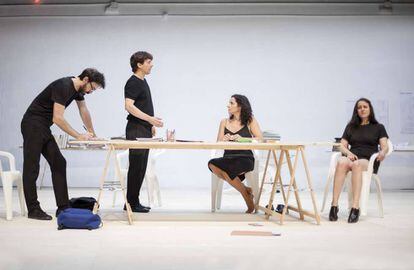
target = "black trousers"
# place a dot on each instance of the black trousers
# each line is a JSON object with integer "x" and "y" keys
{"x": 138, "y": 159}
{"x": 38, "y": 140}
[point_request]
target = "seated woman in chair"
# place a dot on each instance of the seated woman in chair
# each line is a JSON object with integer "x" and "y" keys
{"x": 363, "y": 133}
{"x": 235, "y": 163}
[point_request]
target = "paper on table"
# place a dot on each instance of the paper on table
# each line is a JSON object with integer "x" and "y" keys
{"x": 187, "y": 141}
{"x": 149, "y": 139}
{"x": 75, "y": 144}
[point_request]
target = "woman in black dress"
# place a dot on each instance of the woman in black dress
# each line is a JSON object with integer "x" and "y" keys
{"x": 363, "y": 133}
{"x": 235, "y": 163}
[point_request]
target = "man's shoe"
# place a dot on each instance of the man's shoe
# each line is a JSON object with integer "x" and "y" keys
{"x": 138, "y": 209}
{"x": 140, "y": 205}
{"x": 353, "y": 215}
{"x": 143, "y": 206}
{"x": 39, "y": 214}
{"x": 333, "y": 214}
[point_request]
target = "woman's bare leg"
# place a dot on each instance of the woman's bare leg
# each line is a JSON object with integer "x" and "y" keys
{"x": 237, "y": 184}
{"x": 358, "y": 167}
{"x": 342, "y": 168}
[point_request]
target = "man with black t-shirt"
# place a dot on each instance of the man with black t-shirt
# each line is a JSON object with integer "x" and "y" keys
{"x": 141, "y": 124}
{"x": 47, "y": 109}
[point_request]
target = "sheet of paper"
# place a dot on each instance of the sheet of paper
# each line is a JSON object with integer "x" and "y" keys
{"x": 254, "y": 233}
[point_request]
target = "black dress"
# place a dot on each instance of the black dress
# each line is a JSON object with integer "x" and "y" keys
{"x": 364, "y": 140}
{"x": 236, "y": 162}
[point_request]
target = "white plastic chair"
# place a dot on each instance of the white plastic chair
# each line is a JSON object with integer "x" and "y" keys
{"x": 8, "y": 177}
{"x": 217, "y": 183}
{"x": 367, "y": 176}
{"x": 150, "y": 180}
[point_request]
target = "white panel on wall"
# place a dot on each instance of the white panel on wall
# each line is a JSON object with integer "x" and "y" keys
{"x": 298, "y": 73}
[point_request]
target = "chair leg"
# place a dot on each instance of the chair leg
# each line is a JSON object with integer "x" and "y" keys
{"x": 150, "y": 190}
{"x": 21, "y": 195}
{"x": 219, "y": 193}
{"x": 326, "y": 192}
{"x": 8, "y": 192}
{"x": 114, "y": 198}
{"x": 379, "y": 194}
{"x": 214, "y": 185}
{"x": 42, "y": 173}
{"x": 365, "y": 190}
{"x": 157, "y": 190}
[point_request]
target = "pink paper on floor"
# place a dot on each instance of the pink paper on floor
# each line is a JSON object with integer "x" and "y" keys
{"x": 255, "y": 233}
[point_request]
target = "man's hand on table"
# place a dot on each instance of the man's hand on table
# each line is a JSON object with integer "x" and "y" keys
{"x": 85, "y": 136}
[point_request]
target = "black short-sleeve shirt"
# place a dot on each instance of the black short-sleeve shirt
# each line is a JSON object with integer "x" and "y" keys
{"x": 364, "y": 140}
{"x": 61, "y": 91}
{"x": 139, "y": 91}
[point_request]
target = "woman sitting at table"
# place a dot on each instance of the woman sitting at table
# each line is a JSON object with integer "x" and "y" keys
{"x": 235, "y": 163}
{"x": 363, "y": 133}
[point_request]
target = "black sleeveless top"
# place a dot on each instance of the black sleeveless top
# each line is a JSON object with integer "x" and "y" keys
{"x": 243, "y": 132}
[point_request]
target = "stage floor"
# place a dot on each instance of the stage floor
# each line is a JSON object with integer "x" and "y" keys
{"x": 184, "y": 234}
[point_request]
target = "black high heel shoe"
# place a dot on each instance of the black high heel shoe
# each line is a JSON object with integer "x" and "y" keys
{"x": 353, "y": 215}
{"x": 333, "y": 214}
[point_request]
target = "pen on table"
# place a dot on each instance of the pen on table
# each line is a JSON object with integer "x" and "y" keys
{"x": 87, "y": 131}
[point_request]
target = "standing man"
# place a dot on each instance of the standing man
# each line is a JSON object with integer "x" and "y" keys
{"x": 47, "y": 109}
{"x": 141, "y": 124}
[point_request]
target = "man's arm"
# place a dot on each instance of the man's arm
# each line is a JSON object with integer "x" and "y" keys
{"x": 132, "y": 109}
{"x": 60, "y": 121}
{"x": 86, "y": 116}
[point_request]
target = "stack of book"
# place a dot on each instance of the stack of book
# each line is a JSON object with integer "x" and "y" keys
{"x": 269, "y": 135}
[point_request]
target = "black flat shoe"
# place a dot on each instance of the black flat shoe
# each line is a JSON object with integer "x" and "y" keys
{"x": 279, "y": 208}
{"x": 39, "y": 214}
{"x": 333, "y": 214}
{"x": 143, "y": 206}
{"x": 138, "y": 209}
{"x": 353, "y": 215}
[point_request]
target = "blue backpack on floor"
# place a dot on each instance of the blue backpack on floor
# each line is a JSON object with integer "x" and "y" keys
{"x": 74, "y": 218}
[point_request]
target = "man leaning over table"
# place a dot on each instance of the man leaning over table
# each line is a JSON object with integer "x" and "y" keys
{"x": 47, "y": 109}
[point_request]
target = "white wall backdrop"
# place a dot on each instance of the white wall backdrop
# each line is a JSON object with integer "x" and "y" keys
{"x": 299, "y": 73}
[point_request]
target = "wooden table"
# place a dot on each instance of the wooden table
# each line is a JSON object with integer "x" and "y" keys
{"x": 273, "y": 149}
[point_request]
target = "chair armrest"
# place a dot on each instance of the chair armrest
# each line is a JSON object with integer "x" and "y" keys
{"x": 371, "y": 163}
{"x": 10, "y": 157}
{"x": 334, "y": 157}
{"x": 157, "y": 152}
{"x": 215, "y": 153}
{"x": 122, "y": 155}
{"x": 390, "y": 147}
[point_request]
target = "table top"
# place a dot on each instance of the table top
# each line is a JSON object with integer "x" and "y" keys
{"x": 124, "y": 144}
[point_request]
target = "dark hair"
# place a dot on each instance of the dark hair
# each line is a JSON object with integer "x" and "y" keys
{"x": 94, "y": 76}
{"x": 356, "y": 120}
{"x": 246, "y": 112}
{"x": 139, "y": 57}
